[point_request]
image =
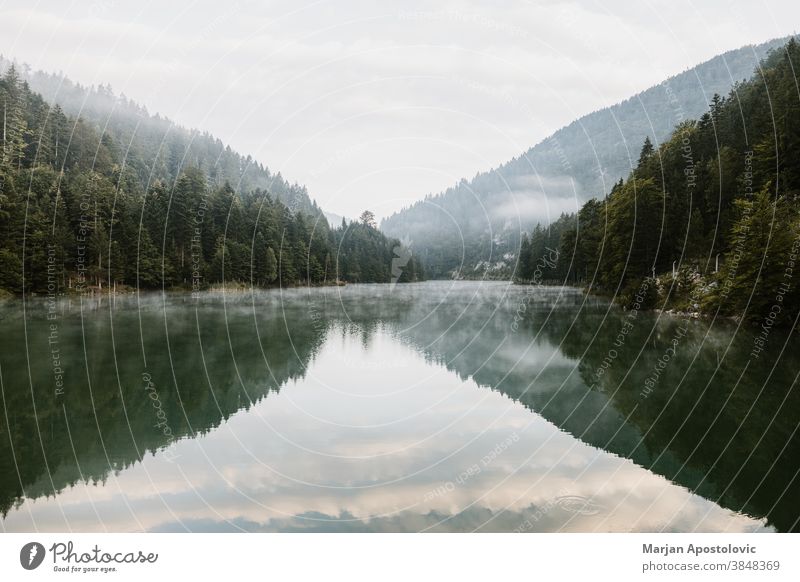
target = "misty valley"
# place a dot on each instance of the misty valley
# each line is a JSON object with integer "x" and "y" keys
{"x": 599, "y": 335}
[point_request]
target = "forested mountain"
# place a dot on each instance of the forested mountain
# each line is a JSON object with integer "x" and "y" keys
{"x": 154, "y": 147}
{"x": 473, "y": 229}
{"x": 709, "y": 220}
{"x": 114, "y": 201}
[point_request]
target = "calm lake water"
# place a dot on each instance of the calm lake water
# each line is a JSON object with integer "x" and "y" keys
{"x": 422, "y": 407}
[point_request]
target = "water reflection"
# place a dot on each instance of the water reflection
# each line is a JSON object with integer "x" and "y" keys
{"x": 373, "y": 408}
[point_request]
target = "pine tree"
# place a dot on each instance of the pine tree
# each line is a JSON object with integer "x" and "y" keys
{"x": 646, "y": 152}
{"x": 15, "y": 129}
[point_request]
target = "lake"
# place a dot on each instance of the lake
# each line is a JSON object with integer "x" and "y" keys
{"x": 438, "y": 406}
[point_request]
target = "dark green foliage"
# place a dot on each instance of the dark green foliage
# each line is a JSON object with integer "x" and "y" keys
{"x": 760, "y": 273}
{"x": 364, "y": 254}
{"x": 540, "y": 259}
{"x": 153, "y": 147}
{"x": 79, "y": 209}
{"x": 721, "y": 190}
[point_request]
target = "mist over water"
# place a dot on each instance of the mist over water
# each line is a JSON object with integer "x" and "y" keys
{"x": 440, "y": 406}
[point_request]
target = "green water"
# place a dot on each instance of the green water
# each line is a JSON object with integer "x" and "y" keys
{"x": 424, "y": 407}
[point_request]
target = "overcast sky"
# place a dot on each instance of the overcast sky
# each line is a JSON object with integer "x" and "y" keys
{"x": 374, "y": 104}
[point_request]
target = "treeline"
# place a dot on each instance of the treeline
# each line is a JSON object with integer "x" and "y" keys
{"x": 364, "y": 254}
{"x": 708, "y": 220}
{"x": 75, "y": 214}
{"x": 154, "y": 147}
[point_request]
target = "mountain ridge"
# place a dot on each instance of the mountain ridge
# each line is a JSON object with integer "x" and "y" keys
{"x": 580, "y": 161}
{"x": 164, "y": 146}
